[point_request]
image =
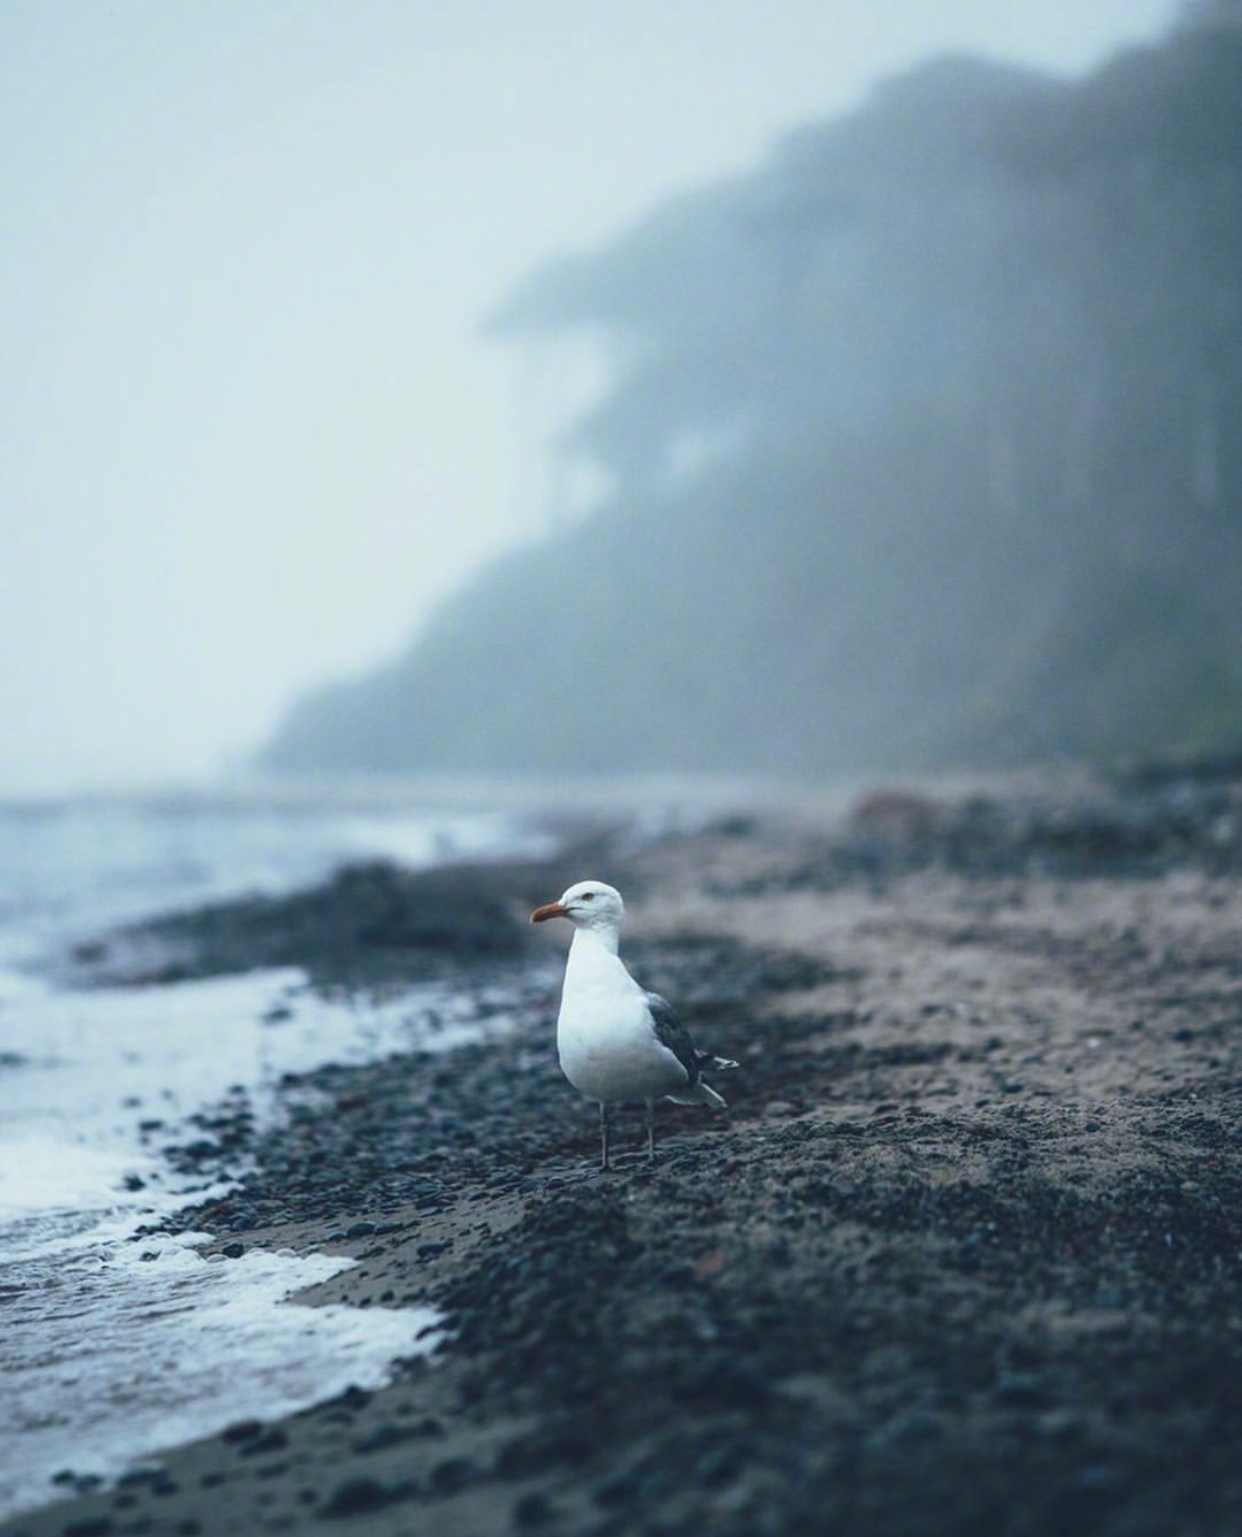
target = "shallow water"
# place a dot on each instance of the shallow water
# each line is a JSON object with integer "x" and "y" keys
{"x": 112, "y": 1347}
{"x": 115, "y": 1349}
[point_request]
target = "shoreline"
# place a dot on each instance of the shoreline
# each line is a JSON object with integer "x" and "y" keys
{"x": 963, "y": 1253}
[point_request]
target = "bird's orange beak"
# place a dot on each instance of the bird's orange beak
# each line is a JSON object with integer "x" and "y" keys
{"x": 549, "y": 910}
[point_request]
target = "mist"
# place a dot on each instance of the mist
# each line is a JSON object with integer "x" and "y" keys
{"x": 918, "y": 452}
{"x": 255, "y": 432}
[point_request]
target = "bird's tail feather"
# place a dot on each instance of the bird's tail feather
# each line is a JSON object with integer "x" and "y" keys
{"x": 701, "y": 1094}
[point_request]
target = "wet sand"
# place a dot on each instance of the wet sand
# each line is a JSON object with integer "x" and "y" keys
{"x": 964, "y": 1254}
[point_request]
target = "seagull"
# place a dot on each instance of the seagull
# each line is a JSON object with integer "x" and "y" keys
{"x": 616, "y": 1041}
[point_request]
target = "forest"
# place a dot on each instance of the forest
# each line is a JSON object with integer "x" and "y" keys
{"x": 922, "y": 447}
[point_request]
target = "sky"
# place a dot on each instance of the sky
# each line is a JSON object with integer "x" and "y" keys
{"x": 250, "y": 434}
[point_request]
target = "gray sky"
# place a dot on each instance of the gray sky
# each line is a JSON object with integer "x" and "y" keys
{"x": 247, "y": 434}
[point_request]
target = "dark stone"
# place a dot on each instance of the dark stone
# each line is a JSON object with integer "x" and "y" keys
{"x": 243, "y": 1430}
{"x": 272, "y": 1440}
{"x": 532, "y": 1509}
{"x": 452, "y": 1474}
{"x": 357, "y": 1496}
{"x": 137, "y": 1477}
{"x": 716, "y": 1466}
{"x": 384, "y": 1436}
{"x": 723, "y": 1383}
{"x": 623, "y": 1489}
{"x": 1023, "y": 1389}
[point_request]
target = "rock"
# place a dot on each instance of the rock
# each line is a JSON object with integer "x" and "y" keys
{"x": 384, "y": 1436}
{"x": 357, "y": 1496}
{"x": 532, "y": 1510}
{"x": 272, "y": 1440}
{"x": 452, "y": 1474}
{"x": 243, "y": 1430}
{"x": 1020, "y": 1389}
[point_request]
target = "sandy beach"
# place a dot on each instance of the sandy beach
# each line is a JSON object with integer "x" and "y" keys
{"x": 963, "y": 1255}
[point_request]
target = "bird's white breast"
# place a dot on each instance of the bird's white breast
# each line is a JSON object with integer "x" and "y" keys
{"x": 604, "y": 1037}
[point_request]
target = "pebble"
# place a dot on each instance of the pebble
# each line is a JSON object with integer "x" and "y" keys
{"x": 452, "y": 1474}
{"x": 272, "y": 1440}
{"x": 384, "y": 1436}
{"x": 356, "y": 1496}
{"x": 1020, "y": 1388}
{"x": 243, "y": 1430}
{"x": 532, "y": 1509}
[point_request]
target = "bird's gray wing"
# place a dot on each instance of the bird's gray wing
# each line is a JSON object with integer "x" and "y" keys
{"x": 672, "y": 1033}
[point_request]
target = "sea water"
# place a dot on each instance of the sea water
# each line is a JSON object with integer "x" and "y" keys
{"x": 111, "y": 1346}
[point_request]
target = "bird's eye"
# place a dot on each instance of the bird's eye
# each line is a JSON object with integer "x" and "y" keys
{"x": 588, "y": 896}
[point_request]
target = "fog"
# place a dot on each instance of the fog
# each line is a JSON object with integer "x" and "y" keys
{"x": 252, "y": 433}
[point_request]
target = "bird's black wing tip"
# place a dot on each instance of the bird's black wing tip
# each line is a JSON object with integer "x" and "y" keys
{"x": 670, "y": 1032}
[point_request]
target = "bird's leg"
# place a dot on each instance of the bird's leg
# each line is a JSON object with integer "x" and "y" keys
{"x": 603, "y": 1135}
{"x": 651, "y": 1129}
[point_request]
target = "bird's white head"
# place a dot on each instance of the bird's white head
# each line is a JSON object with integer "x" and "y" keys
{"x": 587, "y": 905}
